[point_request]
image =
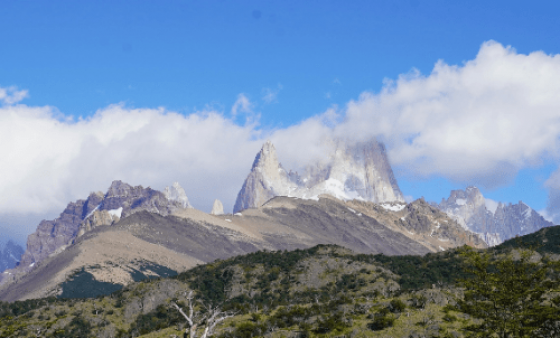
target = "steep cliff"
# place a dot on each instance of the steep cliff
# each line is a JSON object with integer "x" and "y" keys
{"x": 121, "y": 200}
{"x": 353, "y": 171}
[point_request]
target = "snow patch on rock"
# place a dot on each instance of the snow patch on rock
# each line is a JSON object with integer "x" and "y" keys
{"x": 115, "y": 212}
{"x": 393, "y": 207}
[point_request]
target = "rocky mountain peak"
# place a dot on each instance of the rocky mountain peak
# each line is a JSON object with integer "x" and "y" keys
{"x": 118, "y": 189}
{"x": 267, "y": 163}
{"x": 217, "y": 208}
{"x": 266, "y": 180}
{"x": 470, "y": 196}
{"x": 494, "y": 222}
{"x": 266, "y": 157}
{"x": 354, "y": 170}
{"x": 120, "y": 200}
{"x": 177, "y": 193}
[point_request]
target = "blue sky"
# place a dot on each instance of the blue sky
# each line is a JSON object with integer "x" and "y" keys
{"x": 81, "y": 56}
{"x": 288, "y": 61}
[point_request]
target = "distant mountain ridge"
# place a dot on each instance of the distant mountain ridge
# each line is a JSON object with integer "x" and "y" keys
{"x": 353, "y": 171}
{"x": 98, "y": 209}
{"x": 472, "y": 211}
{"x": 10, "y": 255}
{"x": 146, "y": 240}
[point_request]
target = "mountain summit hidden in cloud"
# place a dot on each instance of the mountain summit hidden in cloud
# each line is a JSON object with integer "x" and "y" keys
{"x": 353, "y": 171}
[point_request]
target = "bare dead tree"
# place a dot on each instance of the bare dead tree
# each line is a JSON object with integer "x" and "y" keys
{"x": 213, "y": 317}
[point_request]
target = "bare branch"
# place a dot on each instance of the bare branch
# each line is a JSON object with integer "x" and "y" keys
{"x": 214, "y": 317}
{"x": 189, "y": 319}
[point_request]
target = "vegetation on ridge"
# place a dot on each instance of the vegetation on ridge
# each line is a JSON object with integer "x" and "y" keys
{"x": 318, "y": 292}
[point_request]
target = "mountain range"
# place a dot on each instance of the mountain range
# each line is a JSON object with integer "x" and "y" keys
{"x": 350, "y": 199}
{"x": 495, "y": 222}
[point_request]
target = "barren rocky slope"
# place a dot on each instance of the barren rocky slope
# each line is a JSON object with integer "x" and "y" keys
{"x": 147, "y": 242}
{"x": 121, "y": 200}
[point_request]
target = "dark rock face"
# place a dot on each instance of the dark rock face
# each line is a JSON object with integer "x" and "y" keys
{"x": 10, "y": 255}
{"x": 53, "y": 234}
{"x": 121, "y": 199}
{"x": 134, "y": 199}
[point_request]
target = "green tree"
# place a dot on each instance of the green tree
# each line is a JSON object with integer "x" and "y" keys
{"x": 510, "y": 297}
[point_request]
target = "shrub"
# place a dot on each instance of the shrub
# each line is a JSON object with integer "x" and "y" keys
{"x": 397, "y": 306}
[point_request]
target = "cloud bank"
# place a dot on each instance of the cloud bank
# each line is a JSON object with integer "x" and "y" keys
{"x": 478, "y": 122}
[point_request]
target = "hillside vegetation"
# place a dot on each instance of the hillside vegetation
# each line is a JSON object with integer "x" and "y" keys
{"x": 324, "y": 291}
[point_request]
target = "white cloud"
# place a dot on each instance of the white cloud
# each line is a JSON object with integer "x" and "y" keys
{"x": 271, "y": 95}
{"x": 491, "y": 204}
{"x": 241, "y": 105}
{"x": 12, "y": 95}
{"x": 544, "y": 213}
{"x": 52, "y": 160}
{"x": 477, "y": 122}
{"x": 552, "y": 210}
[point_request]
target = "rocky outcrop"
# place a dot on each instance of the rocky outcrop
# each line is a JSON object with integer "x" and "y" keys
{"x": 352, "y": 171}
{"x": 10, "y": 255}
{"x": 492, "y": 239}
{"x": 98, "y": 209}
{"x": 217, "y": 208}
{"x": 177, "y": 193}
{"x": 421, "y": 218}
{"x": 133, "y": 199}
{"x": 99, "y": 218}
{"x": 473, "y": 212}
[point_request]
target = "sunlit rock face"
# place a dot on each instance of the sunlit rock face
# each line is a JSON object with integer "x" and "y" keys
{"x": 494, "y": 223}
{"x": 177, "y": 193}
{"x": 217, "y": 208}
{"x": 352, "y": 171}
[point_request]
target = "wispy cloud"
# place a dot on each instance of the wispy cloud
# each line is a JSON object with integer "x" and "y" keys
{"x": 271, "y": 95}
{"x": 12, "y": 95}
{"x": 241, "y": 105}
{"x": 477, "y": 122}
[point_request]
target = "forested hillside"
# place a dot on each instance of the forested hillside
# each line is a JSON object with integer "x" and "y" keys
{"x": 318, "y": 292}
